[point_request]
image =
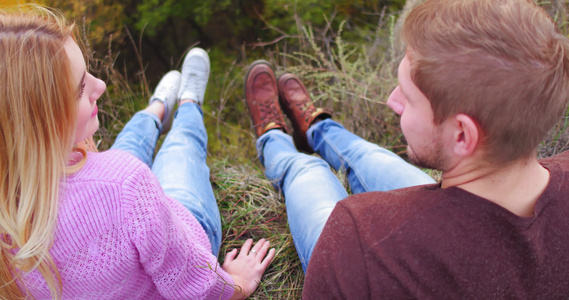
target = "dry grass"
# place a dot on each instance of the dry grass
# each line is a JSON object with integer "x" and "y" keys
{"x": 353, "y": 78}
{"x": 251, "y": 208}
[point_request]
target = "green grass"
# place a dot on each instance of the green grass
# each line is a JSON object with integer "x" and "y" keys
{"x": 252, "y": 208}
{"x": 352, "y": 77}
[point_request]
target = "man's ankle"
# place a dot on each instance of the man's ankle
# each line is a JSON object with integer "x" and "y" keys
{"x": 318, "y": 120}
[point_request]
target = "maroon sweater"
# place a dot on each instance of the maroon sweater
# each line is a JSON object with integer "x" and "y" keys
{"x": 431, "y": 243}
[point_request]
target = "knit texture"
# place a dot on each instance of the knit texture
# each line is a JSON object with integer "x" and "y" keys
{"x": 119, "y": 236}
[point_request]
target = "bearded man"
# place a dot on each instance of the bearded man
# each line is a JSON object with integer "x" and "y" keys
{"x": 480, "y": 85}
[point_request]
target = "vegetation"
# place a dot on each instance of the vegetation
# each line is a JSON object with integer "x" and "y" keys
{"x": 351, "y": 74}
{"x": 343, "y": 50}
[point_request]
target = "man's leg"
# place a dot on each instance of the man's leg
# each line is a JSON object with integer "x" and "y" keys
{"x": 368, "y": 166}
{"x": 310, "y": 189}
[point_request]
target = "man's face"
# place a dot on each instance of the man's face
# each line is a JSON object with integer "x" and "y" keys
{"x": 425, "y": 144}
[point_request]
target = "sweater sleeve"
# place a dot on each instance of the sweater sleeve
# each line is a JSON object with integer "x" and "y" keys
{"x": 337, "y": 267}
{"x": 170, "y": 243}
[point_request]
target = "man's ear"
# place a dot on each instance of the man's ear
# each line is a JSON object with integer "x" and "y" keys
{"x": 465, "y": 134}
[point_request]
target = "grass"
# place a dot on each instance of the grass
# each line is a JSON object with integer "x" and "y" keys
{"x": 252, "y": 208}
{"x": 352, "y": 77}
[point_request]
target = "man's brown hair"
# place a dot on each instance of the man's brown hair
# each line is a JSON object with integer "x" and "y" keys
{"x": 501, "y": 62}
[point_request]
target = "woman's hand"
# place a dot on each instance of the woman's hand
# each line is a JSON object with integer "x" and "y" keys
{"x": 248, "y": 267}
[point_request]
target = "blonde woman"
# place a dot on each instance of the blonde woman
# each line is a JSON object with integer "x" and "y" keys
{"x": 87, "y": 225}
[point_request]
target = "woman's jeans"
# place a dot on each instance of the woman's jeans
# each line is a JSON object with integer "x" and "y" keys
{"x": 180, "y": 164}
{"x": 311, "y": 189}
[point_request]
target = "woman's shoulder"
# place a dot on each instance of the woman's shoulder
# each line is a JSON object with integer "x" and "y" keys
{"x": 111, "y": 165}
{"x": 111, "y": 178}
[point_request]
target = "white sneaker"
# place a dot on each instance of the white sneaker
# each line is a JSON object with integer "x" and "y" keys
{"x": 195, "y": 74}
{"x": 166, "y": 92}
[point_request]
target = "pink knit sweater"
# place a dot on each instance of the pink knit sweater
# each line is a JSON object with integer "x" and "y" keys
{"x": 119, "y": 237}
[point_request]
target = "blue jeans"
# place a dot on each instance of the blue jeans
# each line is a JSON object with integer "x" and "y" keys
{"x": 180, "y": 164}
{"x": 311, "y": 189}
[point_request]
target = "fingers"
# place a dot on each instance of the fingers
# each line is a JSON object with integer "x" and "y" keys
{"x": 230, "y": 256}
{"x": 247, "y": 265}
{"x": 260, "y": 252}
{"x": 246, "y": 248}
{"x": 262, "y": 248}
{"x": 257, "y": 250}
{"x": 265, "y": 263}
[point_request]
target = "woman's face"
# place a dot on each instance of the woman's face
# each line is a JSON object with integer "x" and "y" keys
{"x": 89, "y": 90}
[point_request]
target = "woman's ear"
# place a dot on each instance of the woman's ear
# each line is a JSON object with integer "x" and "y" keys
{"x": 466, "y": 135}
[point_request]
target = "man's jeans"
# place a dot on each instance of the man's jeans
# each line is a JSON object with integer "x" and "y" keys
{"x": 180, "y": 164}
{"x": 311, "y": 189}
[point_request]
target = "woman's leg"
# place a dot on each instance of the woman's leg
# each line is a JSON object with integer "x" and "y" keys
{"x": 310, "y": 189}
{"x": 180, "y": 165}
{"x": 181, "y": 168}
{"x": 139, "y": 136}
{"x": 368, "y": 166}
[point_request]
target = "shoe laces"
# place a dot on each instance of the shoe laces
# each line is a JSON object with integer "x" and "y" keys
{"x": 193, "y": 82}
{"x": 270, "y": 113}
{"x": 307, "y": 109}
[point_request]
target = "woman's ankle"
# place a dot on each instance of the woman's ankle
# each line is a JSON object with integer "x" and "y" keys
{"x": 156, "y": 108}
{"x": 187, "y": 101}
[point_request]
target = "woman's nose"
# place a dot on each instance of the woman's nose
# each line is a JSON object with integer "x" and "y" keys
{"x": 99, "y": 89}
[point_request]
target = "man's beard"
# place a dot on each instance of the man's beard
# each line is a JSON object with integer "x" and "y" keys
{"x": 431, "y": 157}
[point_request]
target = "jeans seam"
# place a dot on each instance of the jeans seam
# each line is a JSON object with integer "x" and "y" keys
{"x": 278, "y": 181}
{"x": 342, "y": 159}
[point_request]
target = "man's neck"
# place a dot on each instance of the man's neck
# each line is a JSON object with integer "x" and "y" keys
{"x": 516, "y": 187}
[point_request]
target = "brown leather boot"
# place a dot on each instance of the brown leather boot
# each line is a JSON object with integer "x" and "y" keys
{"x": 297, "y": 105}
{"x": 262, "y": 98}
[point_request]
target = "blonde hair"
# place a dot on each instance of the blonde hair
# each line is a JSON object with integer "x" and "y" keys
{"x": 501, "y": 62}
{"x": 38, "y": 111}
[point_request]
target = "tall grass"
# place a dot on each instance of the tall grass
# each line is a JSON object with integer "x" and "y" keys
{"x": 557, "y": 140}
{"x": 353, "y": 77}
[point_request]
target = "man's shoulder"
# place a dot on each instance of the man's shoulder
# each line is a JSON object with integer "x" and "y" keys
{"x": 561, "y": 159}
{"x": 377, "y": 215}
{"x": 406, "y": 201}
{"x": 400, "y": 241}
{"x": 407, "y": 192}
{"x": 364, "y": 227}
